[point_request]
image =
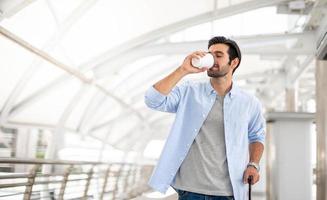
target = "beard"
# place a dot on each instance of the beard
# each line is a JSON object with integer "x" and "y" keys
{"x": 218, "y": 71}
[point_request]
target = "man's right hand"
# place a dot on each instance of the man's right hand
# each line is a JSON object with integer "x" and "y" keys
{"x": 165, "y": 85}
{"x": 188, "y": 68}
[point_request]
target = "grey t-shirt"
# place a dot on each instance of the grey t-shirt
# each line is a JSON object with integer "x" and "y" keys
{"x": 205, "y": 169}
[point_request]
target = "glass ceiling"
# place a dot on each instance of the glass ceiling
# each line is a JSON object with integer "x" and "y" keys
{"x": 116, "y": 44}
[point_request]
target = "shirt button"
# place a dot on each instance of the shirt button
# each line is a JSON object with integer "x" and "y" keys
{"x": 203, "y": 115}
{"x": 195, "y": 129}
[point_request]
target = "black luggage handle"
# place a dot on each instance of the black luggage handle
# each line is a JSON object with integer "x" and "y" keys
{"x": 250, "y": 181}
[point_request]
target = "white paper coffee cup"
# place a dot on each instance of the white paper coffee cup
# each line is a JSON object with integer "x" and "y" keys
{"x": 205, "y": 61}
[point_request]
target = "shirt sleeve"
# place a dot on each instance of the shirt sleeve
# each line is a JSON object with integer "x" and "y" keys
{"x": 257, "y": 125}
{"x": 166, "y": 103}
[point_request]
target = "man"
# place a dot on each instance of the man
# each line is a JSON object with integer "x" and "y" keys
{"x": 217, "y": 138}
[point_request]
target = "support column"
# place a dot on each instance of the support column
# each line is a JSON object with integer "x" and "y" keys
{"x": 289, "y": 174}
{"x": 321, "y": 123}
{"x": 26, "y": 144}
{"x": 291, "y": 99}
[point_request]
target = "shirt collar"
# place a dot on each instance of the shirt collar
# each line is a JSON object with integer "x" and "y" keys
{"x": 231, "y": 93}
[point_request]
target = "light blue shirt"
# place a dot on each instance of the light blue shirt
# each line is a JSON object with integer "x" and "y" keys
{"x": 243, "y": 122}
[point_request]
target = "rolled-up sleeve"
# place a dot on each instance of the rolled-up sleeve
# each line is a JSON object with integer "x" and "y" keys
{"x": 257, "y": 125}
{"x": 166, "y": 103}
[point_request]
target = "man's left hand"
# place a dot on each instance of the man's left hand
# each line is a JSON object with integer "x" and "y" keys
{"x": 251, "y": 171}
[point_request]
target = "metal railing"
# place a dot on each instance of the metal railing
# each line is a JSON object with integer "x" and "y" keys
{"x": 73, "y": 180}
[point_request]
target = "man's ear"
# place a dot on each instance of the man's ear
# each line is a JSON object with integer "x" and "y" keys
{"x": 235, "y": 62}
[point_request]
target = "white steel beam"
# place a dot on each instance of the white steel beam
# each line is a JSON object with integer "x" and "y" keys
{"x": 10, "y": 7}
{"x": 292, "y": 78}
{"x": 58, "y": 140}
{"x": 270, "y": 44}
{"x": 151, "y": 36}
{"x": 74, "y": 72}
{"x": 50, "y": 44}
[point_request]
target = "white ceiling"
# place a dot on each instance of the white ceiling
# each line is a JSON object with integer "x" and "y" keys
{"x": 100, "y": 56}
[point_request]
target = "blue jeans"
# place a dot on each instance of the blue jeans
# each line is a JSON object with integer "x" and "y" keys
{"x": 185, "y": 195}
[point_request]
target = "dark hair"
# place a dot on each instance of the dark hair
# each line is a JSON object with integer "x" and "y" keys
{"x": 233, "y": 50}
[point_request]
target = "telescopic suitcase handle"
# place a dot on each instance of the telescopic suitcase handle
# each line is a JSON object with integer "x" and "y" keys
{"x": 250, "y": 181}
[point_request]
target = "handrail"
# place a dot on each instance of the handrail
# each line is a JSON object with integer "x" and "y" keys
{"x": 73, "y": 179}
{"x": 56, "y": 162}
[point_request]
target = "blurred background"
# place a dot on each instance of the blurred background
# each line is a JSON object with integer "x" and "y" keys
{"x": 73, "y": 73}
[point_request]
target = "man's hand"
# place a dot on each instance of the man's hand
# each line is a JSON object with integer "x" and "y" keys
{"x": 164, "y": 86}
{"x": 251, "y": 171}
{"x": 187, "y": 66}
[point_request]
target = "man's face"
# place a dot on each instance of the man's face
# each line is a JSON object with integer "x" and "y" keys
{"x": 221, "y": 67}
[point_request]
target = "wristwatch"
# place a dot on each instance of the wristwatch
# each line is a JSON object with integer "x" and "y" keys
{"x": 255, "y": 165}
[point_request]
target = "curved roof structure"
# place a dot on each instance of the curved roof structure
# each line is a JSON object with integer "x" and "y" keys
{"x": 77, "y": 70}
